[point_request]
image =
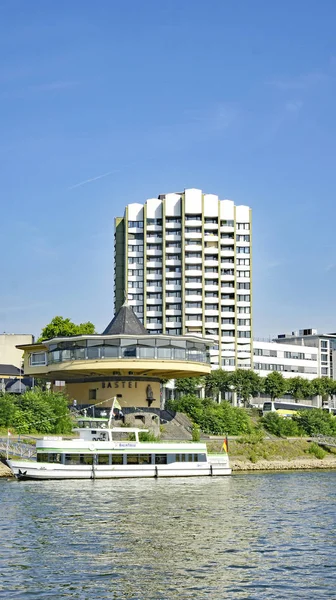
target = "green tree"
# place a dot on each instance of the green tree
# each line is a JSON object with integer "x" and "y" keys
{"x": 299, "y": 388}
{"x": 60, "y": 327}
{"x": 247, "y": 383}
{"x": 316, "y": 421}
{"x": 36, "y": 411}
{"x": 275, "y": 385}
{"x": 280, "y": 426}
{"x": 217, "y": 381}
{"x": 188, "y": 385}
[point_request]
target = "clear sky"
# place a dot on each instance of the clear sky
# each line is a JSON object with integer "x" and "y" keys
{"x": 110, "y": 102}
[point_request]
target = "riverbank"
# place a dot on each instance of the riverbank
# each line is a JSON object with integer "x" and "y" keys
{"x": 274, "y": 455}
{"x": 5, "y": 471}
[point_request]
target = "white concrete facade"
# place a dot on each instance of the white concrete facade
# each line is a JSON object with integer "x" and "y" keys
{"x": 9, "y": 354}
{"x": 324, "y": 344}
{"x": 288, "y": 359}
{"x": 187, "y": 269}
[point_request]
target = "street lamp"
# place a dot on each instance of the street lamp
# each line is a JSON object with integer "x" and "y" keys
{"x": 234, "y": 394}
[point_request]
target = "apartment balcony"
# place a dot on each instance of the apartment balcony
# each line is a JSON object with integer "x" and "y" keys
{"x": 211, "y": 263}
{"x": 193, "y": 298}
{"x": 154, "y": 288}
{"x": 172, "y": 325}
{"x": 172, "y": 299}
{"x": 210, "y": 249}
{"x": 174, "y": 250}
{"x": 154, "y": 301}
{"x": 193, "y": 311}
{"x": 193, "y": 247}
{"x": 193, "y": 223}
{"x": 135, "y": 230}
{"x": 173, "y": 262}
{"x": 173, "y": 225}
{"x": 193, "y": 261}
{"x": 154, "y": 228}
{"x": 157, "y": 239}
{"x": 229, "y": 326}
{"x": 172, "y": 287}
{"x": 210, "y": 287}
{"x": 153, "y": 277}
{"x": 193, "y": 272}
{"x": 153, "y": 313}
{"x": 193, "y": 323}
{"x": 193, "y": 286}
{"x": 173, "y": 237}
{"x": 173, "y": 312}
{"x": 173, "y": 275}
{"x": 210, "y": 226}
{"x": 132, "y": 253}
{"x": 225, "y": 289}
{"x": 154, "y": 264}
{"x": 192, "y": 235}
{"x": 227, "y": 229}
{"x": 153, "y": 253}
{"x": 226, "y": 253}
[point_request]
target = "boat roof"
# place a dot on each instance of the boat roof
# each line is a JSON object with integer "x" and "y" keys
{"x": 122, "y": 429}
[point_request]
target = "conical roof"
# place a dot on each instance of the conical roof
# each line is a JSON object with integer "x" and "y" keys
{"x": 125, "y": 322}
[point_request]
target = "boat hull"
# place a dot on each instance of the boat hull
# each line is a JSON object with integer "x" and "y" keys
{"x": 33, "y": 470}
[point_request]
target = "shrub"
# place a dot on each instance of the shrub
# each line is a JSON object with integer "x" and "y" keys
{"x": 316, "y": 421}
{"x": 317, "y": 451}
{"x": 213, "y": 418}
{"x": 280, "y": 426}
{"x": 196, "y": 433}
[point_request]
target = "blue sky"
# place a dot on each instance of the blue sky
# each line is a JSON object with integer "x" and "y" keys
{"x": 142, "y": 98}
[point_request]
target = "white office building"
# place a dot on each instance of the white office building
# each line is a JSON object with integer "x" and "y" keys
{"x": 324, "y": 344}
{"x": 183, "y": 261}
{"x": 289, "y": 359}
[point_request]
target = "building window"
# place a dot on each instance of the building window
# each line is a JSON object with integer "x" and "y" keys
{"x": 243, "y": 298}
{"x": 227, "y": 223}
{"x": 243, "y": 226}
{"x": 243, "y": 286}
{"x": 154, "y": 221}
{"x": 244, "y": 334}
{"x": 243, "y": 250}
{"x": 135, "y": 224}
{"x": 37, "y": 359}
{"x": 243, "y": 238}
{"x": 243, "y": 261}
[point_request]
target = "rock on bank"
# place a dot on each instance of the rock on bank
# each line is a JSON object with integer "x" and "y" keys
{"x": 329, "y": 462}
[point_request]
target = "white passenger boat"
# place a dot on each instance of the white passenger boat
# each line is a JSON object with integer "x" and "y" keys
{"x": 99, "y": 453}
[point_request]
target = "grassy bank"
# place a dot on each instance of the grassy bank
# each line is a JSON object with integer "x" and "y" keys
{"x": 276, "y": 454}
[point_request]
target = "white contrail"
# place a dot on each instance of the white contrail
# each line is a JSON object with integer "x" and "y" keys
{"x": 90, "y": 180}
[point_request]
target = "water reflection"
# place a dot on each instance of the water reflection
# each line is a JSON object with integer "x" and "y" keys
{"x": 250, "y": 536}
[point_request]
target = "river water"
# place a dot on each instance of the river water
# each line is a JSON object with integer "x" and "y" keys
{"x": 254, "y": 536}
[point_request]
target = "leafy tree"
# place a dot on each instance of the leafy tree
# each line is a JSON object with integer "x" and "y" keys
{"x": 188, "y": 385}
{"x": 299, "y": 388}
{"x": 275, "y": 385}
{"x": 280, "y": 426}
{"x": 213, "y": 418}
{"x": 36, "y": 411}
{"x": 247, "y": 383}
{"x": 217, "y": 381}
{"x": 60, "y": 327}
{"x": 316, "y": 421}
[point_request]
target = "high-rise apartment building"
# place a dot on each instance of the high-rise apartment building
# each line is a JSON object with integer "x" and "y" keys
{"x": 183, "y": 261}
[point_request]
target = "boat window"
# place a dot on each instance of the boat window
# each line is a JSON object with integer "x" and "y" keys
{"x": 145, "y": 459}
{"x": 42, "y": 457}
{"x": 55, "y": 458}
{"x": 201, "y": 458}
{"x": 177, "y": 458}
{"x": 190, "y": 457}
{"x": 104, "y": 459}
{"x": 71, "y": 459}
{"x": 183, "y": 457}
{"x": 160, "y": 459}
{"x": 117, "y": 459}
{"x": 85, "y": 459}
{"x": 132, "y": 459}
